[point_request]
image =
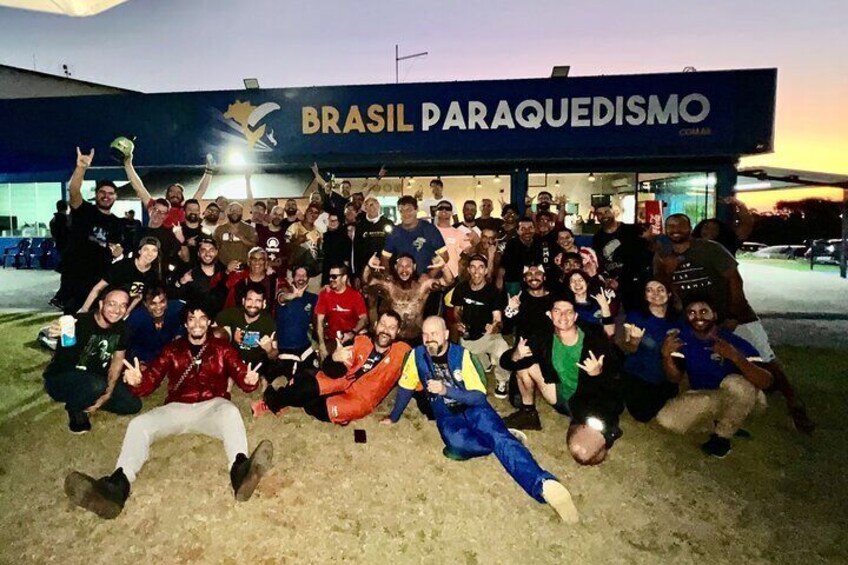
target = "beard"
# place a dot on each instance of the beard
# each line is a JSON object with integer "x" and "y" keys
{"x": 234, "y": 218}
{"x": 433, "y": 348}
{"x": 192, "y": 218}
{"x": 544, "y": 206}
{"x": 384, "y": 339}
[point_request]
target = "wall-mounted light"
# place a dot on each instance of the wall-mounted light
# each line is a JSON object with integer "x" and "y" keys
{"x": 497, "y": 178}
{"x": 591, "y": 177}
{"x": 556, "y": 183}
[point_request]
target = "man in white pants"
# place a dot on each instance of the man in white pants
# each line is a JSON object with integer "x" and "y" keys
{"x": 198, "y": 368}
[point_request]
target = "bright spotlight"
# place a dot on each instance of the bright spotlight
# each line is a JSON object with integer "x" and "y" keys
{"x": 235, "y": 158}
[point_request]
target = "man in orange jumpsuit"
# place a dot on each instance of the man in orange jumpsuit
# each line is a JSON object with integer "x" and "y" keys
{"x": 352, "y": 382}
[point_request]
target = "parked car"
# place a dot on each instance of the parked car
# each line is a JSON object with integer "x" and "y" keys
{"x": 780, "y": 252}
{"x": 827, "y": 252}
{"x": 751, "y": 246}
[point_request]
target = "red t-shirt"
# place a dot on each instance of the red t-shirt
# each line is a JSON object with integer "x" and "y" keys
{"x": 341, "y": 310}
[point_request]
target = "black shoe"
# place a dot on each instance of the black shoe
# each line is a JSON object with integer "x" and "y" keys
{"x": 78, "y": 423}
{"x": 716, "y": 446}
{"x": 501, "y": 390}
{"x": 801, "y": 420}
{"x": 245, "y": 473}
{"x": 105, "y": 496}
{"x": 525, "y": 418}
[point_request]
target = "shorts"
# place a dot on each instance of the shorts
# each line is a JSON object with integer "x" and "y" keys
{"x": 755, "y": 334}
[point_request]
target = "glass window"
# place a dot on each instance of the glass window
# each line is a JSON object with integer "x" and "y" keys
{"x": 584, "y": 191}
{"x": 692, "y": 194}
{"x": 27, "y": 208}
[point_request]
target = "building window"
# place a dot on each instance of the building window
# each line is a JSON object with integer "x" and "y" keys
{"x": 27, "y": 208}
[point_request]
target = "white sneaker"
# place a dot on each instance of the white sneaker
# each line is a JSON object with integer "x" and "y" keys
{"x": 558, "y": 498}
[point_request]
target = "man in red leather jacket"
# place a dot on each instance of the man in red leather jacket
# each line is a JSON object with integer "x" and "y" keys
{"x": 198, "y": 368}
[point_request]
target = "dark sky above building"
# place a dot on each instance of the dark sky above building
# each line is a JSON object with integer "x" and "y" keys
{"x": 166, "y": 45}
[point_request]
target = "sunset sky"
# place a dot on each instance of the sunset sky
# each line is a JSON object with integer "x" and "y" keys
{"x": 159, "y": 45}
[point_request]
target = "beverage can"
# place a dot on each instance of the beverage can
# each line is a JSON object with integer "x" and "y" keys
{"x": 68, "y": 335}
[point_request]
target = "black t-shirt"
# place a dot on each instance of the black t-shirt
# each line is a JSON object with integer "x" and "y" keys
{"x": 516, "y": 256}
{"x": 93, "y": 349}
{"x": 246, "y": 336}
{"x": 124, "y": 274}
{"x": 88, "y": 244}
{"x": 477, "y": 307}
{"x": 547, "y": 249}
{"x": 532, "y": 314}
{"x": 202, "y": 289}
{"x": 622, "y": 253}
{"x": 370, "y": 238}
{"x": 169, "y": 244}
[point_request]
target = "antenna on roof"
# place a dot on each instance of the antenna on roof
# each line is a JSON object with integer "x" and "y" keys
{"x": 66, "y": 70}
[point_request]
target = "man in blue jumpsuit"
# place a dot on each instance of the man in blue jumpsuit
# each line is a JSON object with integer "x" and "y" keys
{"x": 469, "y": 426}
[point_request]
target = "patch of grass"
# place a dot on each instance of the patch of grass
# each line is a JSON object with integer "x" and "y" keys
{"x": 791, "y": 264}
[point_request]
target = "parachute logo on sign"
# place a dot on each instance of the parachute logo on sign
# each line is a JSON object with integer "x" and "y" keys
{"x": 247, "y": 118}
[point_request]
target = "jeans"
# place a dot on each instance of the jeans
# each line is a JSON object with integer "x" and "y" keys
{"x": 478, "y": 431}
{"x": 79, "y": 389}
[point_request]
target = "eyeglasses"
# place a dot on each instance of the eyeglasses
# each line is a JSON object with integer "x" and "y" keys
{"x": 333, "y": 277}
{"x": 444, "y": 209}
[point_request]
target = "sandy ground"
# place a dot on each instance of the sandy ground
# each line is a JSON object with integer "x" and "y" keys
{"x": 778, "y": 498}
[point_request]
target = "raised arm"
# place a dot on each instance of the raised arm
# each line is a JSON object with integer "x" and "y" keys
{"x": 135, "y": 181}
{"x": 75, "y": 184}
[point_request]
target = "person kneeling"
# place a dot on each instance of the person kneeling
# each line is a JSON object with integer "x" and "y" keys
{"x": 354, "y": 380}
{"x": 725, "y": 385}
{"x": 469, "y": 426}
{"x": 587, "y": 391}
{"x": 198, "y": 368}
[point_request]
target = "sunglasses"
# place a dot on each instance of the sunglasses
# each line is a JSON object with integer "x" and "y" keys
{"x": 332, "y": 276}
{"x": 444, "y": 209}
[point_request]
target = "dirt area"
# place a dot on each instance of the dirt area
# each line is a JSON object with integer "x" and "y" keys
{"x": 778, "y": 497}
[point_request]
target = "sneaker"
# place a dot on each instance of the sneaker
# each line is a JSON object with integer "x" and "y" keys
{"x": 525, "y": 418}
{"x": 802, "y": 421}
{"x": 105, "y": 496}
{"x": 558, "y": 498}
{"x": 519, "y": 435}
{"x": 453, "y": 455}
{"x": 501, "y": 390}
{"x": 78, "y": 423}
{"x": 716, "y": 446}
{"x": 246, "y": 473}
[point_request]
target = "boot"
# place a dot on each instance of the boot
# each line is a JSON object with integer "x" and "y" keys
{"x": 104, "y": 496}
{"x": 246, "y": 472}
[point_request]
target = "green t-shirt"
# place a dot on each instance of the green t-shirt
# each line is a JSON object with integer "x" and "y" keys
{"x": 565, "y": 359}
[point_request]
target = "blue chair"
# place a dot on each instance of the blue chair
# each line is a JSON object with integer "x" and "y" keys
{"x": 18, "y": 252}
{"x": 45, "y": 254}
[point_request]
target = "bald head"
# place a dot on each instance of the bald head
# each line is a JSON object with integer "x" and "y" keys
{"x": 434, "y": 333}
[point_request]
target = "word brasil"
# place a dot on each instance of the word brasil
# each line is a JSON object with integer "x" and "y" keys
{"x": 594, "y": 111}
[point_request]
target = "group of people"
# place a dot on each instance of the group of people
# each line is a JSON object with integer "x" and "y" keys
{"x": 332, "y": 307}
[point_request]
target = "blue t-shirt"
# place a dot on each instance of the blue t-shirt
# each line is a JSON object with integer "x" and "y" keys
{"x": 293, "y": 320}
{"x": 646, "y": 361}
{"x": 145, "y": 341}
{"x": 589, "y": 312}
{"x": 422, "y": 242}
{"x": 706, "y": 369}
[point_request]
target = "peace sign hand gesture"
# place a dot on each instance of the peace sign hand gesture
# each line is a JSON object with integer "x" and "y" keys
{"x": 132, "y": 373}
{"x": 84, "y": 160}
{"x": 592, "y": 365}
{"x": 252, "y": 375}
